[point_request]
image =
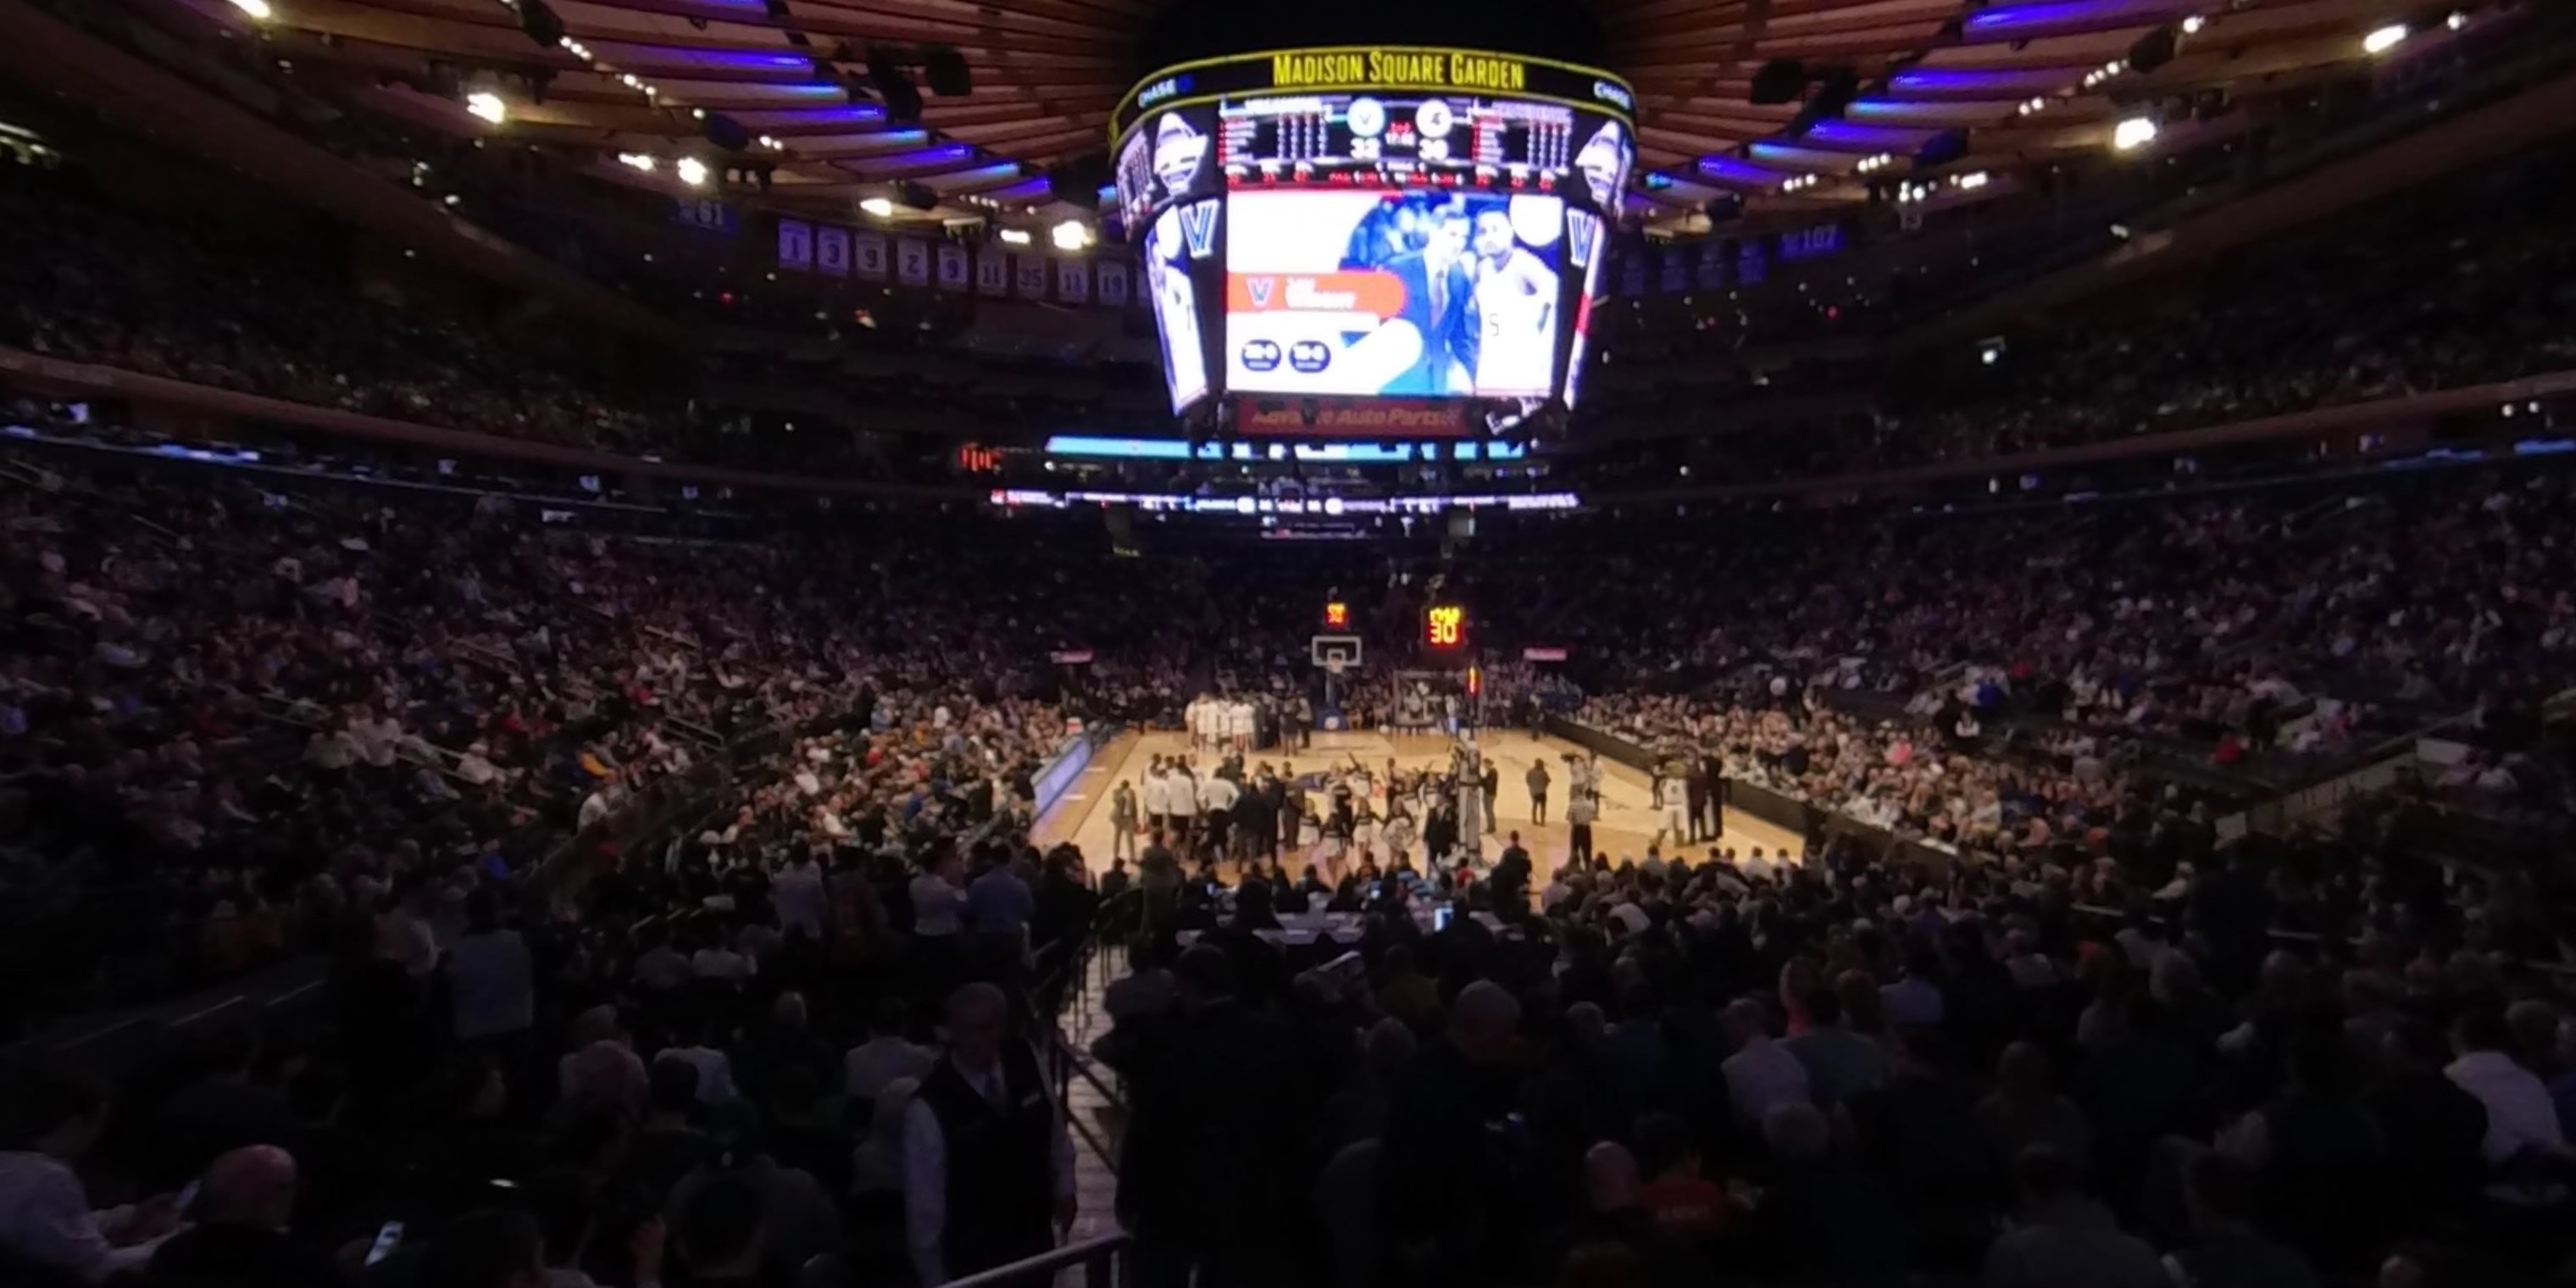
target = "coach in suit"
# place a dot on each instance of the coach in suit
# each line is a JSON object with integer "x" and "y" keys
{"x": 1438, "y": 299}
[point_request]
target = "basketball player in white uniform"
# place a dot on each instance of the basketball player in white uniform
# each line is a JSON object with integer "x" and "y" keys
{"x": 1515, "y": 311}
{"x": 1672, "y": 796}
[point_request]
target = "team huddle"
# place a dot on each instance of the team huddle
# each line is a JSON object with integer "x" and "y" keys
{"x": 1223, "y": 724}
{"x": 1339, "y": 818}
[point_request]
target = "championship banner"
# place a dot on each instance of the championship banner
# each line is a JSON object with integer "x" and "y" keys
{"x": 705, "y": 214}
{"x": 832, "y": 251}
{"x": 1632, "y": 269}
{"x": 1030, "y": 272}
{"x": 868, "y": 255}
{"x": 1712, "y": 264}
{"x": 911, "y": 262}
{"x": 952, "y": 267}
{"x": 1073, "y": 281}
{"x": 1298, "y": 418}
{"x": 992, "y": 273}
{"x": 1113, "y": 283}
{"x": 1677, "y": 265}
{"x": 1750, "y": 266}
{"x": 795, "y": 245}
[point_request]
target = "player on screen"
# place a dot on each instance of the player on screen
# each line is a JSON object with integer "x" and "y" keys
{"x": 1515, "y": 310}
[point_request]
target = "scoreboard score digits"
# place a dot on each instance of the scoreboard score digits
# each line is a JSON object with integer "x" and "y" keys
{"x": 1444, "y": 626}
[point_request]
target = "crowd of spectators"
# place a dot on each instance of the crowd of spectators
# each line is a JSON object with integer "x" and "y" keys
{"x": 241, "y": 710}
{"x": 2268, "y": 1062}
{"x": 2295, "y": 624}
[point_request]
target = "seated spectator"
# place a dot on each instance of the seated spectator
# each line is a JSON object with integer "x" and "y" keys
{"x": 2062, "y": 1239}
{"x": 240, "y": 1236}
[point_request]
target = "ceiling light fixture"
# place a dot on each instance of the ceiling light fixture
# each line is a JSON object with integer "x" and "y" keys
{"x": 486, "y": 105}
{"x": 2133, "y": 133}
{"x": 2385, "y": 39}
{"x": 878, "y": 206}
{"x": 692, "y": 171}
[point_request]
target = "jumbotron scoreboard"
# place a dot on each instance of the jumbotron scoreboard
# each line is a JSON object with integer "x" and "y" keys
{"x": 1375, "y": 223}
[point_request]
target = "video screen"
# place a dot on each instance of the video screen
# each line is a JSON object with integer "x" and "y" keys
{"x": 1382, "y": 292}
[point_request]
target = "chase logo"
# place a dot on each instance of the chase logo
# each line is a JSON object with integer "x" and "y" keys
{"x": 1609, "y": 93}
{"x": 1310, "y": 356}
{"x": 1261, "y": 355}
{"x": 1161, "y": 89}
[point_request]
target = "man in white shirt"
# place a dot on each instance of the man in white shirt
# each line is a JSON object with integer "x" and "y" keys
{"x": 1762, "y": 1074}
{"x": 2522, "y": 1121}
{"x": 599, "y": 803}
{"x": 1158, "y": 796}
{"x": 970, "y": 1209}
{"x": 939, "y": 900}
{"x": 1184, "y": 806}
{"x": 45, "y": 1216}
{"x": 884, "y": 1057}
{"x": 378, "y": 737}
{"x": 796, "y": 892}
{"x": 1217, "y": 795}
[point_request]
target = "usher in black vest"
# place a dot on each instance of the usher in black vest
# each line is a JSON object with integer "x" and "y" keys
{"x": 1001, "y": 1164}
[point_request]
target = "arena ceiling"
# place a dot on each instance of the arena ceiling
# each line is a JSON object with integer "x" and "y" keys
{"x": 636, "y": 76}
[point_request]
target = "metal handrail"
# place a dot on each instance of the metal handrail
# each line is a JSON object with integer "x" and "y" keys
{"x": 1097, "y": 1257}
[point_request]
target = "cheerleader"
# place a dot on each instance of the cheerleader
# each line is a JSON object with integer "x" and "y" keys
{"x": 1364, "y": 825}
{"x": 1397, "y": 834}
{"x": 1320, "y": 843}
{"x": 1335, "y": 839}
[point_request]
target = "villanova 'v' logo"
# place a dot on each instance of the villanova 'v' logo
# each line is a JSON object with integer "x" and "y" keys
{"x": 1259, "y": 289}
{"x": 1198, "y": 227}
{"x": 1581, "y": 232}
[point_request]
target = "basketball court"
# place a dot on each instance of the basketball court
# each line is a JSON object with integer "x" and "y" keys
{"x": 1626, "y": 823}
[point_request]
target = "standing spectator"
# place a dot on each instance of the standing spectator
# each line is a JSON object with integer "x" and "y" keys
{"x": 490, "y": 981}
{"x": 796, "y": 892}
{"x": 1840, "y": 1064}
{"x": 1761, "y": 1074}
{"x": 1538, "y": 780}
{"x": 1223, "y": 1088}
{"x": 998, "y": 904}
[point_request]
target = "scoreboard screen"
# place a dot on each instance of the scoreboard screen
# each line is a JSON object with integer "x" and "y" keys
{"x": 1373, "y": 140}
{"x": 1444, "y": 627}
{"x": 1393, "y": 222}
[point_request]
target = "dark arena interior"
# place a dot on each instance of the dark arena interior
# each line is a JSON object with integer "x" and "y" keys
{"x": 1167, "y": 643}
